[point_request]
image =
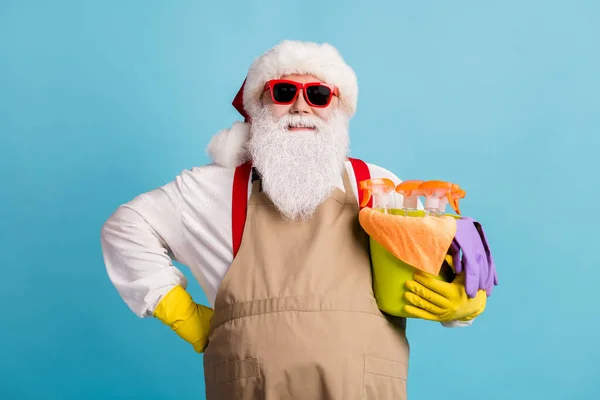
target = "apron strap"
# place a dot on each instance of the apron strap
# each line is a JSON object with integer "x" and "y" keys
{"x": 361, "y": 173}
{"x": 239, "y": 203}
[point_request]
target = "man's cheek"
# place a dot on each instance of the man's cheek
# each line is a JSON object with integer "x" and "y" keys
{"x": 277, "y": 110}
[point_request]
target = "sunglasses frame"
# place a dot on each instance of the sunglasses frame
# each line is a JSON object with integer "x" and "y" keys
{"x": 333, "y": 91}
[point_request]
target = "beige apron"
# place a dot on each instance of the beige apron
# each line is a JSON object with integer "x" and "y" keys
{"x": 295, "y": 316}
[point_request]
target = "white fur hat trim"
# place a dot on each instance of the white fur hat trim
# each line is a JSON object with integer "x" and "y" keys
{"x": 228, "y": 147}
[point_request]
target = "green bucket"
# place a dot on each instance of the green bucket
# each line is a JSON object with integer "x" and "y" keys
{"x": 390, "y": 275}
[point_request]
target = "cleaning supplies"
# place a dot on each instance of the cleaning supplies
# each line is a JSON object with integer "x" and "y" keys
{"x": 420, "y": 242}
{"x": 401, "y": 244}
{"x": 437, "y": 194}
{"x": 473, "y": 258}
{"x": 410, "y": 193}
{"x": 380, "y": 189}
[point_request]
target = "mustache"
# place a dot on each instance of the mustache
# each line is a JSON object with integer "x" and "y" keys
{"x": 300, "y": 121}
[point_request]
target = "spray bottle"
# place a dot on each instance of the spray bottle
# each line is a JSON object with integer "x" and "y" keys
{"x": 380, "y": 189}
{"x": 410, "y": 193}
{"x": 436, "y": 194}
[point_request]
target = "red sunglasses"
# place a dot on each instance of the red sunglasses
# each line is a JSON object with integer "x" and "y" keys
{"x": 316, "y": 94}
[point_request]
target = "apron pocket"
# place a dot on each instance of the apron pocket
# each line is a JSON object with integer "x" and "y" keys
{"x": 239, "y": 380}
{"x": 384, "y": 379}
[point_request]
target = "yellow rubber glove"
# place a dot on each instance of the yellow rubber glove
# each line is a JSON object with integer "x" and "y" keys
{"x": 441, "y": 301}
{"x": 189, "y": 320}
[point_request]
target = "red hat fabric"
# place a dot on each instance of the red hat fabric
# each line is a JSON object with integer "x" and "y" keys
{"x": 238, "y": 103}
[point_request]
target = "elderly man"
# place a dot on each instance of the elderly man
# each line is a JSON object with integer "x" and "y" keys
{"x": 270, "y": 231}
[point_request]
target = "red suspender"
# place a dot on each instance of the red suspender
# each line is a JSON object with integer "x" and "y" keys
{"x": 361, "y": 173}
{"x": 239, "y": 199}
{"x": 239, "y": 203}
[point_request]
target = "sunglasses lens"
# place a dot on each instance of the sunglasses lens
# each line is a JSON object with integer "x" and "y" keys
{"x": 319, "y": 95}
{"x": 284, "y": 92}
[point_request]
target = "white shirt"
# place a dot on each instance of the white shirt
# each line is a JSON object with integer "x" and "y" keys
{"x": 187, "y": 220}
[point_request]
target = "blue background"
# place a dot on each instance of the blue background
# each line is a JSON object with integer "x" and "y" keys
{"x": 101, "y": 101}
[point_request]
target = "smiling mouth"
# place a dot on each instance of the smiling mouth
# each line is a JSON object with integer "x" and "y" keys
{"x": 300, "y": 128}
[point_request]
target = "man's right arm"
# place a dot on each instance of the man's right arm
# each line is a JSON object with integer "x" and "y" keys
{"x": 139, "y": 241}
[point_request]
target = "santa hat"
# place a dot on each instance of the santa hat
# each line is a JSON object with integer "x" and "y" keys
{"x": 227, "y": 147}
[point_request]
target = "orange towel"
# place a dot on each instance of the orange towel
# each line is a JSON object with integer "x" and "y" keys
{"x": 420, "y": 242}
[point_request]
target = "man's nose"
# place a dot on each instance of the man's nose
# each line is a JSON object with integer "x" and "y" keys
{"x": 300, "y": 106}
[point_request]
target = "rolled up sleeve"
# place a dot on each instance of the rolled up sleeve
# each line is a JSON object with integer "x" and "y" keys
{"x": 139, "y": 242}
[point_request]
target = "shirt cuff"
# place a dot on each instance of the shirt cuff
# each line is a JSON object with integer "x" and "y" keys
{"x": 457, "y": 324}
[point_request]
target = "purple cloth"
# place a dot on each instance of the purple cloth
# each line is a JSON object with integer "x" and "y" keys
{"x": 472, "y": 256}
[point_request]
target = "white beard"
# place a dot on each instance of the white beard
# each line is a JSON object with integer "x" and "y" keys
{"x": 299, "y": 169}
